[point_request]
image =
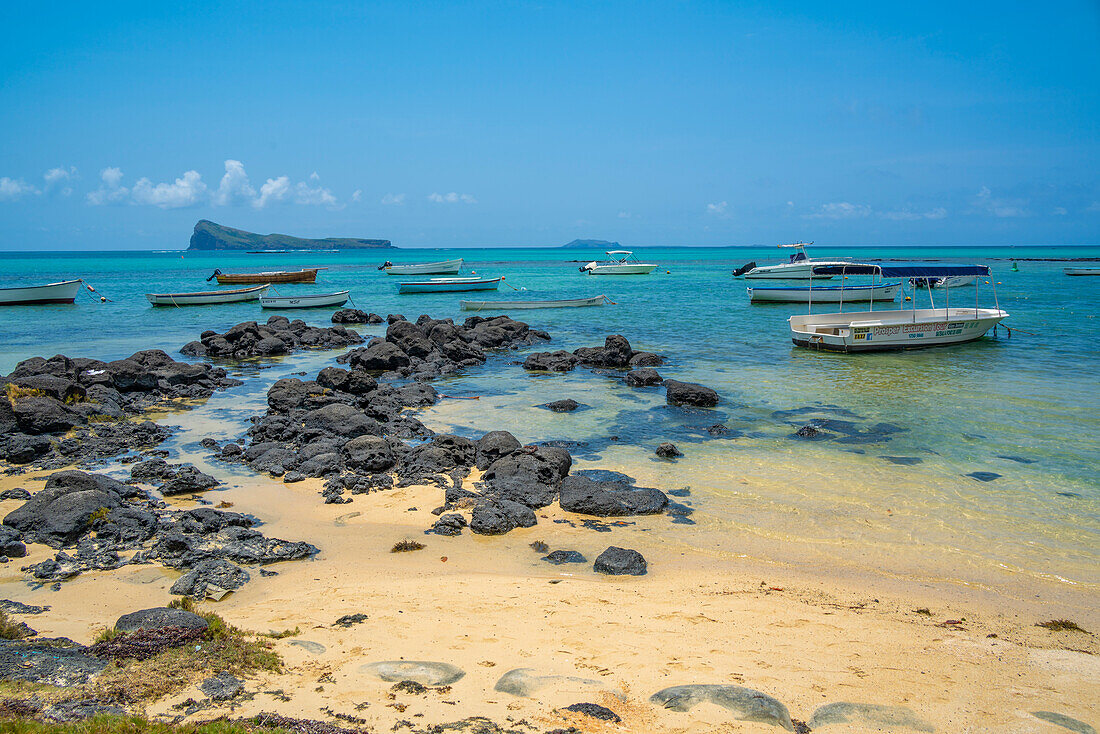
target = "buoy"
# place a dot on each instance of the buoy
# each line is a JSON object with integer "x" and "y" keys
{"x": 668, "y": 272}
{"x": 909, "y": 298}
{"x": 102, "y": 299}
{"x": 1015, "y": 267}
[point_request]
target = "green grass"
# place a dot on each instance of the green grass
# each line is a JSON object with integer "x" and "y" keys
{"x": 10, "y": 630}
{"x": 280, "y": 635}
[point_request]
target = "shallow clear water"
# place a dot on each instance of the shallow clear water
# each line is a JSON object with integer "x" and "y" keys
{"x": 1034, "y": 397}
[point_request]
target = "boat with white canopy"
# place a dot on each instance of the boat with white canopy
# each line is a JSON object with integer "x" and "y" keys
{"x": 824, "y": 293}
{"x": 798, "y": 267}
{"x": 444, "y": 267}
{"x": 518, "y": 305}
{"x": 619, "y": 262}
{"x": 865, "y": 331}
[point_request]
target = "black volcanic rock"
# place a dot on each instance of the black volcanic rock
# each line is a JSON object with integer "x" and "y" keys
{"x": 211, "y": 236}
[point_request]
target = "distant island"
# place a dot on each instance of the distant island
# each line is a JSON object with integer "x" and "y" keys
{"x": 591, "y": 243}
{"x": 211, "y": 236}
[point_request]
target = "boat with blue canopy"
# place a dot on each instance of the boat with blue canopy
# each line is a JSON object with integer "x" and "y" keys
{"x": 915, "y": 328}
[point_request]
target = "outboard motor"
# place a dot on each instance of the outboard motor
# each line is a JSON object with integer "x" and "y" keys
{"x": 744, "y": 268}
{"x": 385, "y": 265}
{"x": 215, "y": 274}
{"x": 588, "y": 268}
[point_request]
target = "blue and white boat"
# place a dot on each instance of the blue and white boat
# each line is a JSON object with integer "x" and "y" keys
{"x": 451, "y": 285}
{"x": 824, "y": 293}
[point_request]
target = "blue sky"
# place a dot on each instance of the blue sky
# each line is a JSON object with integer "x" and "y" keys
{"x": 524, "y": 123}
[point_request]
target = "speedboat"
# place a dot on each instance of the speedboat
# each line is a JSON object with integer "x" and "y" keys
{"x": 619, "y": 262}
{"x": 62, "y": 292}
{"x": 823, "y": 293}
{"x": 451, "y": 285}
{"x": 207, "y": 298}
{"x": 445, "y": 267}
{"x": 865, "y": 331}
{"x": 798, "y": 267}
{"x": 311, "y": 300}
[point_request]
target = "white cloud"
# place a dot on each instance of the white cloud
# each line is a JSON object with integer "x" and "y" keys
{"x": 1093, "y": 207}
{"x": 840, "y": 210}
{"x": 624, "y": 215}
{"x": 1060, "y": 211}
{"x": 908, "y": 215}
{"x": 314, "y": 195}
{"x": 275, "y": 189}
{"x": 314, "y": 177}
{"x": 187, "y": 190}
{"x": 357, "y": 195}
{"x": 452, "y": 198}
{"x": 15, "y": 188}
{"x": 111, "y": 191}
{"x": 59, "y": 180}
{"x": 235, "y": 188}
{"x": 718, "y": 209}
{"x": 393, "y": 199}
{"x": 986, "y": 202}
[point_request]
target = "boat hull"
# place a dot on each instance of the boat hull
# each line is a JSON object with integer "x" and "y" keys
{"x": 444, "y": 286}
{"x": 309, "y": 301}
{"x": 621, "y": 270}
{"x": 446, "y": 267}
{"x": 1082, "y": 271}
{"x": 206, "y": 298}
{"x": 788, "y": 271}
{"x": 519, "y": 305}
{"x": 62, "y": 292}
{"x": 824, "y": 294}
{"x": 296, "y": 276}
{"x": 875, "y": 331}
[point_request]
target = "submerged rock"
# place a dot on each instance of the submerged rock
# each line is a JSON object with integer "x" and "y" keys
{"x": 668, "y": 450}
{"x": 689, "y": 393}
{"x": 745, "y": 703}
{"x": 559, "y": 557}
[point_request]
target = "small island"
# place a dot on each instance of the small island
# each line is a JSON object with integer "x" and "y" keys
{"x": 591, "y": 243}
{"x": 212, "y": 236}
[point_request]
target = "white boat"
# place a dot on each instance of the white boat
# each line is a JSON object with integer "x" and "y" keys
{"x": 446, "y": 267}
{"x": 62, "y": 292}
{"x": 451, "y": 285}
{"x": 823, "y": 293}
{"x": 865, "y": 331}
{"x": 206, "y": 298}
{"x": 517, "y": 305}
{"x": 619, "y": 262}
{"x": 798, "y": 267}
{"x": 312, "y": 300}
{"x": 1082, "y": 271}
{"x": 954, "y": 281}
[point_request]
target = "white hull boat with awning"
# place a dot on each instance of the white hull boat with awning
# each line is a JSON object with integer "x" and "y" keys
{"x": 312, "y": 300}
{"x": 445, "y": 267}
{"x": 518, "y": 305}
{"x": 824, "y": 293}
{"x": 207, "y": 298}
{"x": 62, "y": 292}
{"x": 619, "y": 262}
{"x": 798, "y": 267}
{"x": 866, "y": 331}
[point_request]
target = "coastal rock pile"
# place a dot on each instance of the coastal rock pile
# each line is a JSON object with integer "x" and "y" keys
{"x": 431, "y": 348}
{"x": 616, "y": 353}
{"x": 279, "y": 335}
{"x": 355, "y": 316}
{"x": 61, "y": 410}
{"x": 91, "y": 519}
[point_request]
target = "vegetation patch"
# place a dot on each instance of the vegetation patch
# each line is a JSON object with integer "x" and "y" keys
{"x": 12, "y": 630}
{"x": 135, "y": 725}
{"x": 405, "y": 546}
{"x": 1062, "y": 625}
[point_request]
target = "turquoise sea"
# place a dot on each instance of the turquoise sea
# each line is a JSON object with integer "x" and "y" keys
{"x": 892, "y": 497}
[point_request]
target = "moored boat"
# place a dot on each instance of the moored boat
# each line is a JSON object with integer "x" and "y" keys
{"x": 308, "y": 275}
{"x": 451, "y": 285}
{"x": 865, "y": 331}
{"x": 206, "y": 298}
{"x": 311, "y": 300}
{"x": 444, "y": 267}
{"x": 619, "y": 262}
{"x": 824, "y": 293}
{"x": 518, "y": 305}
{"x": 954, "y": 281}
{"x": 798, "y": 267}
{"x": 62, "y": 292}
{"x": 1082, "y": 271}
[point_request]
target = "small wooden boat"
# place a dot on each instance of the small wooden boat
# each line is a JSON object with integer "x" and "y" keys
{"x": 313, "y": 300}
{"x": 206, "y": 298}
{"x": 63, "y": 292}
{"x": 451, "y": 285}
{"x": 277, "y": 276}
{"x": 866, "y": 331}
{"x": 619, "y": 262}
{"x": 517, "y": 305}
{"x": 1082, "y": 271}
{"x": 446, "y": 267}
{"x": 824, "y": 293}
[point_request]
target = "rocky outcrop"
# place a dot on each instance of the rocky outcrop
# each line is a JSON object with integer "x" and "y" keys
{"x": 617, "y": 561}
{"x": 690, "y": 393}
{"x": 278, "y": 336}
{"x": 211, "y": 236}
{"x": 616, "y": 353}
{"x": 356, "y": 316}
{"x": 609, "y": 498}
